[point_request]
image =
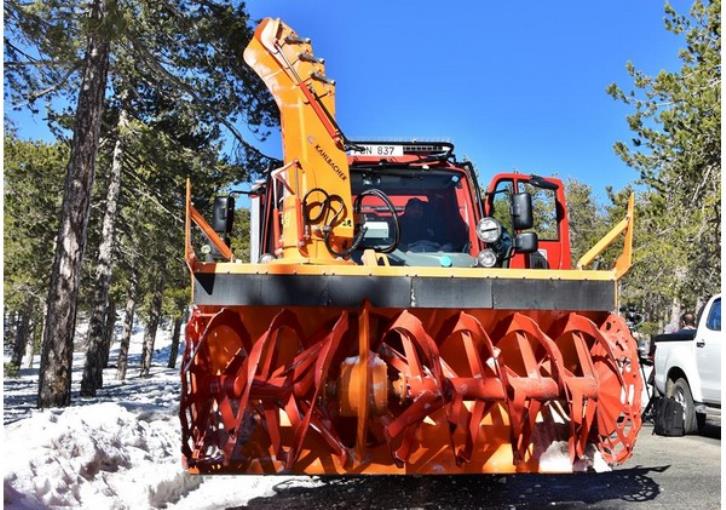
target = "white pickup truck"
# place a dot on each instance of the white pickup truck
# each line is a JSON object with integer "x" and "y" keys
{"x": 687, "y": 366}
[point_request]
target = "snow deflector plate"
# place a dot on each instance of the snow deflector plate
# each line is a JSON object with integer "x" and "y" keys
{"x": 402, "y": 292}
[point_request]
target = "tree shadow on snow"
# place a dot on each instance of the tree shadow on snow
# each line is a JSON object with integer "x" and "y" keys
{"x": 20, "y": 394}
{"x": 625, "y": 487}
{"x": 156, "y": 393}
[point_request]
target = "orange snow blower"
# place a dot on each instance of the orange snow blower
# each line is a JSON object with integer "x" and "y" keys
{"x": 394, "y": 318}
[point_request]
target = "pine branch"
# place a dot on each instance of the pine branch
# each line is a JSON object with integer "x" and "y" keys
{"x": 33, "y": 96}
{"x": 143, "y": 54}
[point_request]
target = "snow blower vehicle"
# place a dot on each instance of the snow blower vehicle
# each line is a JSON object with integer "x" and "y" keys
{"x": 395, "y": 318}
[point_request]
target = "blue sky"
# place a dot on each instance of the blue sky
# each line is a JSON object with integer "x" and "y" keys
{"x": 515, "y": 85}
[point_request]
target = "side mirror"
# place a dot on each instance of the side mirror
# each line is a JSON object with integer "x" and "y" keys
{"x": 526, "y": 242}
{"x": 522, "y": 211}
{"x": 223, "y": 218}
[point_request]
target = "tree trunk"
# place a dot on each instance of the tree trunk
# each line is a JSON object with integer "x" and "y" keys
{"x": 676, "y": 307}
{"x": 11, "y": 336}
{"x": 30, "y": 345}
{"x": 96, "y": 355}
{"x": 123, "y": 353}
{"x": 700, "y": 303}
{"x": 22, "y": 334}
{"x": 675, "y": 316}
{"x": 108, "y": 332}
{"x": 151, "y": 327}
{"x": 10, "y": 328}
{"x": 32, "y": 349}
{"x": 54, "y": 385}
{"x": 175, "y": 342}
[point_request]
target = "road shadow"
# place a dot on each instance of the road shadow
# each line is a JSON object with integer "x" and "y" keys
{"x": 711, "y": 429}
{"x": 585, "y": 490}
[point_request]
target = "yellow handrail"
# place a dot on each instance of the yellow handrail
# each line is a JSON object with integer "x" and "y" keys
{"x": 625, "y": 260}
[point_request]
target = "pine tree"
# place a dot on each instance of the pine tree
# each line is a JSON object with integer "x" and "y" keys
{"x": 180, "y": 64}
{"x": 54, "y": 388}
{"x": 93, "y": 369}
{"x": 32, "y": 204}
{"x": 129, "y": 311}
{"x": 152, "y": 324}
{"x": 676, "y": 149}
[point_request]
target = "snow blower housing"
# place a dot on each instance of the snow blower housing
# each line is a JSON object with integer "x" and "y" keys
{"x": 392, "y": 319}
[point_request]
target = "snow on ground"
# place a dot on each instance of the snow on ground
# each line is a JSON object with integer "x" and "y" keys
{"x": 118, "y": 450}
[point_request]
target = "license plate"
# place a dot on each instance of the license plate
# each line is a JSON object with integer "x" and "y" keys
{"x": 378, "y": 150}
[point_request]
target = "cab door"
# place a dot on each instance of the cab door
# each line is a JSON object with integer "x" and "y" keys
{"x": 708, "y": 352}
{"x": 549, "y": 215}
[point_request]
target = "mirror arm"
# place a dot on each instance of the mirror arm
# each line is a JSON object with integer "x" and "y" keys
{"x": 210, "y": 234}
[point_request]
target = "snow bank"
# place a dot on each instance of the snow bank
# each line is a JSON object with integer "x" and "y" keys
{"x": 97, "y": 456}
{"x": 556, "y": 459}
{"x": 118, "y": 450}
{"x": 104, "y": 456}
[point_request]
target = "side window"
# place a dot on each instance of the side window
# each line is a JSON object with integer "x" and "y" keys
{"x": 544, "y": 212}
{"x": 714, "y": 316}
{"x": 501, "y": 204}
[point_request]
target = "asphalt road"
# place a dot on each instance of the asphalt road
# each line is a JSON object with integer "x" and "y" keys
{"x": 664, "y": 473}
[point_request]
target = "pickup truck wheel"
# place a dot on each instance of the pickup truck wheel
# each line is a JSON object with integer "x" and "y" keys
{"x": 681, "y": 393}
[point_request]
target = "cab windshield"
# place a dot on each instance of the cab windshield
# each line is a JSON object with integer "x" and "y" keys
{"x": 431, "y": 206}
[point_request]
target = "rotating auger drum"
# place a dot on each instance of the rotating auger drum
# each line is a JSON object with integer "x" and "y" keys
{"x": 321, "y": 390}
{"x": 393, "y": 319}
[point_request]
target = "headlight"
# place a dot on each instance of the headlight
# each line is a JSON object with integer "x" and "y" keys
{"x": 487, "y": 258}
{"x": 489, "y": 230}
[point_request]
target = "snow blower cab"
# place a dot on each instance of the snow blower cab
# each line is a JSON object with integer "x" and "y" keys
{"x": 421, "y": 207}
{"x": 394, "y": 318}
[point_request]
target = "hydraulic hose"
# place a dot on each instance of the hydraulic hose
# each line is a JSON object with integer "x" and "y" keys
{"x": 326, "y": 206}
{"x": 387, "y": 201}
